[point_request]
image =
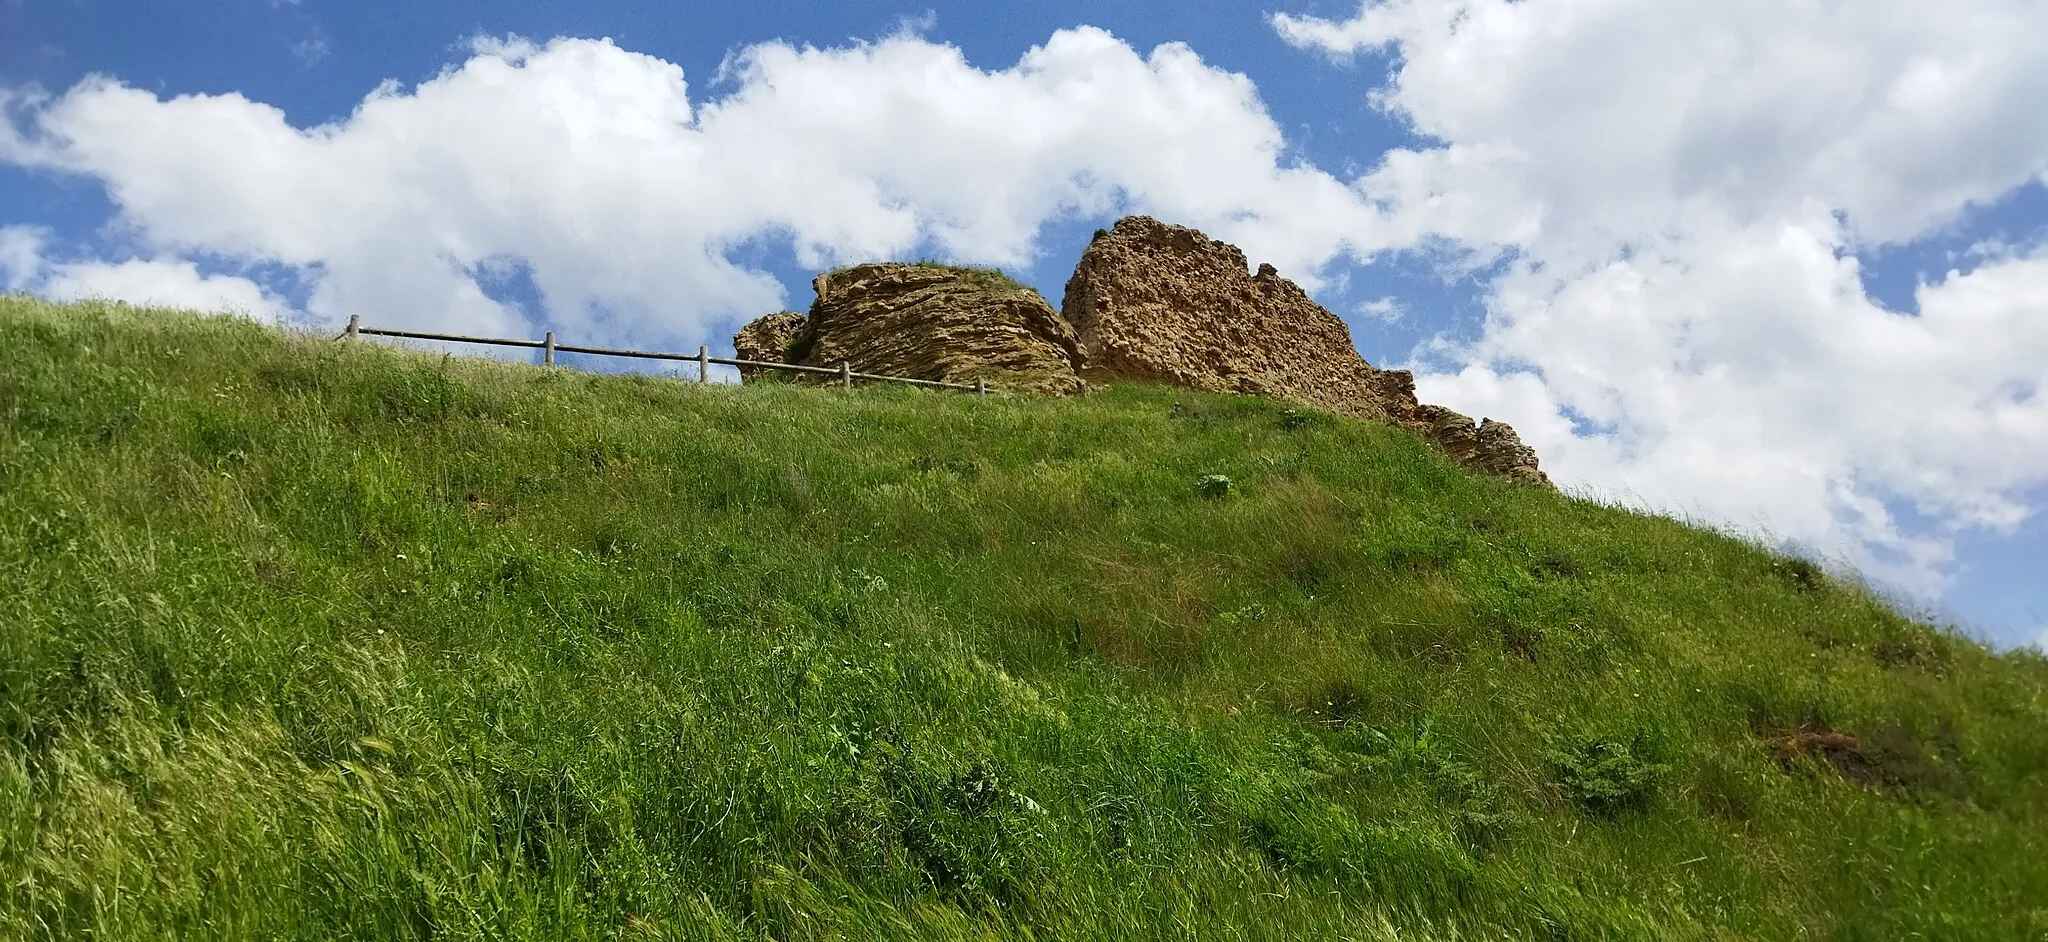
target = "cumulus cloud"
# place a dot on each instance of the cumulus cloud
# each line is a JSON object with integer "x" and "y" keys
{"x": 1750, "y": 379}
{"x": 164, "y": 283}
{"x": 1579, "y": 125}
{"x": 176, "y": 283}
{"x": 1681, "y": 190}
{"x": 21, "y": 257}
{"x": 1387, "y": 309}
{"x": 591, "y": 169}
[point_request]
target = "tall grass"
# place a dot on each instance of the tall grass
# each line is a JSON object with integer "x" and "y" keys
{"x": 303, "y": 640}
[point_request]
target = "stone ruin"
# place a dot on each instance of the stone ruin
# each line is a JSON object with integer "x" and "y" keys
{"x": 1149, "y": 302}
{"x": 923, "y": 322}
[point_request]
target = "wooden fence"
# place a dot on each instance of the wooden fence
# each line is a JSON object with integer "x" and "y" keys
{"x": 702, "y": 357}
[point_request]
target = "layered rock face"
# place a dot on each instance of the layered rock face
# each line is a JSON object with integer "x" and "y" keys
{"x": 1152, "y": 301}
{"x": 1167, "y": 304}
{"x": 926, "y": 322}
{"x": 1149, "y": 301}
{"x": 1486, "y": 446}
{"x": 766, "y": 340}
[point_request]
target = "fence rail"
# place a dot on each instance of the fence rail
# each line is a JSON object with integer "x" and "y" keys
{"x": 702, "y": 357}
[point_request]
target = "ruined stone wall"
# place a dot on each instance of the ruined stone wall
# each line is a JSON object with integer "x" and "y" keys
{"x": 1164, "y": 303}
{"x": 766, "y": 340}
{"x": 1149, "y": 301}
{"x": 927, "y": 322}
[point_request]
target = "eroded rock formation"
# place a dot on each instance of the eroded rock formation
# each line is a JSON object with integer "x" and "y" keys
{"x": 766, "y": 340}
{"x": 1165, "y": 303}
{"x": 1149, "y": 301}
{"x": 926, "y": 322}
{"x": 1487, "y": 446}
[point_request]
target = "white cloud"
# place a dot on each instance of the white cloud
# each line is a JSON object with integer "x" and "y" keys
{"x": 163, "y": 283}
{"x": 1387, "y": 309}
{"x": 311, "y": 51}
{"x": 176, "y": 283}
{"x": 1683, "y": 187}
{"x": 593, "y": 166}
{"x": 1750, "y": 380}
{"x": 21, "y": 257}
{"x": 918, "y": 25}
{"x": 1605, "y": 120}
{"x": 2041, "y": 639}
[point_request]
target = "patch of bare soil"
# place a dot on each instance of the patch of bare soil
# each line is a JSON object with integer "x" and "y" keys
{"x": 1888, "y": 756}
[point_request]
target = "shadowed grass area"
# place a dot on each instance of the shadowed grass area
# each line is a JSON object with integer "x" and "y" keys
{"x": 303, "y": 640}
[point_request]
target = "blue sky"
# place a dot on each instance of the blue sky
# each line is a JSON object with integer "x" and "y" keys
{"x": 1782, "y": 272}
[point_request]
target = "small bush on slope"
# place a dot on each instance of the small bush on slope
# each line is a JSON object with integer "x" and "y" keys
{"x": 311, "y": 641}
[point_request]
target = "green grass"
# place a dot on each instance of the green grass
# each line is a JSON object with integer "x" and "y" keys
{"x": 304, "y": 640}
{"x": 993, "y": 279}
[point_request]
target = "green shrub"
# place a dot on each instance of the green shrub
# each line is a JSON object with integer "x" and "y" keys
{"x": 800, "y": 346}
{"x": 1608, "y": 776}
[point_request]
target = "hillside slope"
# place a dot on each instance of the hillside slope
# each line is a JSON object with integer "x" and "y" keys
{"x": 301, "y": 640}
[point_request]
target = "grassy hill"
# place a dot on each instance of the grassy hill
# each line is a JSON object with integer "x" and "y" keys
{"x": 301, "y": 640}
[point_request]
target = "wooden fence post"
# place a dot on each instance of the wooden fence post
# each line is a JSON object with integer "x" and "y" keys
{"x": 981, "y": 387}
{"x": 355, "y": 324}
{"x": 845, "y": 374}
{"x": 703, "y": 364}
{"x": 547, "y": 350}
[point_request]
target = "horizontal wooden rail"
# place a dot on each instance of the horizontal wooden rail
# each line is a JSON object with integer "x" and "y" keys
{"x": 702, "y": 357}
{"x": 424, "y": 335}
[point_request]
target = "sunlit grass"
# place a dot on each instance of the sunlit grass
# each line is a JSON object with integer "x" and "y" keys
{"x": 309, "y": 640}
